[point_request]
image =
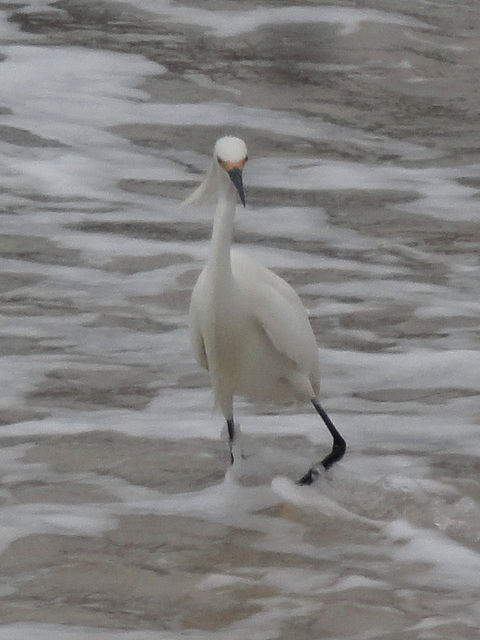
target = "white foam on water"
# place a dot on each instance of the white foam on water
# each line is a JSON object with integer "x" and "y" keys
{"x": 418, "y": 369}
{"x": 233, "y": 23}
{"x": 449, "y": 563}
{"x": 310, "y": 498}
{"x": 397, "y": 407}
{"x": 69, "y": 95}
{"x": 96, "y": 87}
{"x": 437, "y": 190}
{"x": 20, "y": 520}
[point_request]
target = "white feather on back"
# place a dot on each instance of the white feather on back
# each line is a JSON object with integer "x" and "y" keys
{"x": 280, "y": 312}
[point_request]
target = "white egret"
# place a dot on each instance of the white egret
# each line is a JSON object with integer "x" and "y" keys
{"x": 248, "y": 326}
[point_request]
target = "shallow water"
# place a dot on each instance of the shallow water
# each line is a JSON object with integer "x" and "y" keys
{"x": 118, "y": 519}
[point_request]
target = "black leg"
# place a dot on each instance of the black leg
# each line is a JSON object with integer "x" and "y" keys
{"x": 338, "y": 449}
{"x": 231, "y": 436}
{"x": 339, "y": 445}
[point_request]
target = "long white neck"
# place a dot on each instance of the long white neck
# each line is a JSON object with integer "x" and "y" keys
{"x": 219, "y": 259}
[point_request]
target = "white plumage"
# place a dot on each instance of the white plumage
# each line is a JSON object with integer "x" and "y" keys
{"x": 248, "y": 326}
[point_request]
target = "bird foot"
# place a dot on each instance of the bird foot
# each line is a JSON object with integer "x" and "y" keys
{"x": 310, "y": 477}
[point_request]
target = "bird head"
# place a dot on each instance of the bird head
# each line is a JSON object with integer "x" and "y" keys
{"x": 230, "y": 156}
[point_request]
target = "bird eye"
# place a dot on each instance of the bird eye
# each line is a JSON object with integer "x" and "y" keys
{"x": 246, "y": 158}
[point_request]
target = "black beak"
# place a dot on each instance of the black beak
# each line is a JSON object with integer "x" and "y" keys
{"x": 236, "y": 177}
